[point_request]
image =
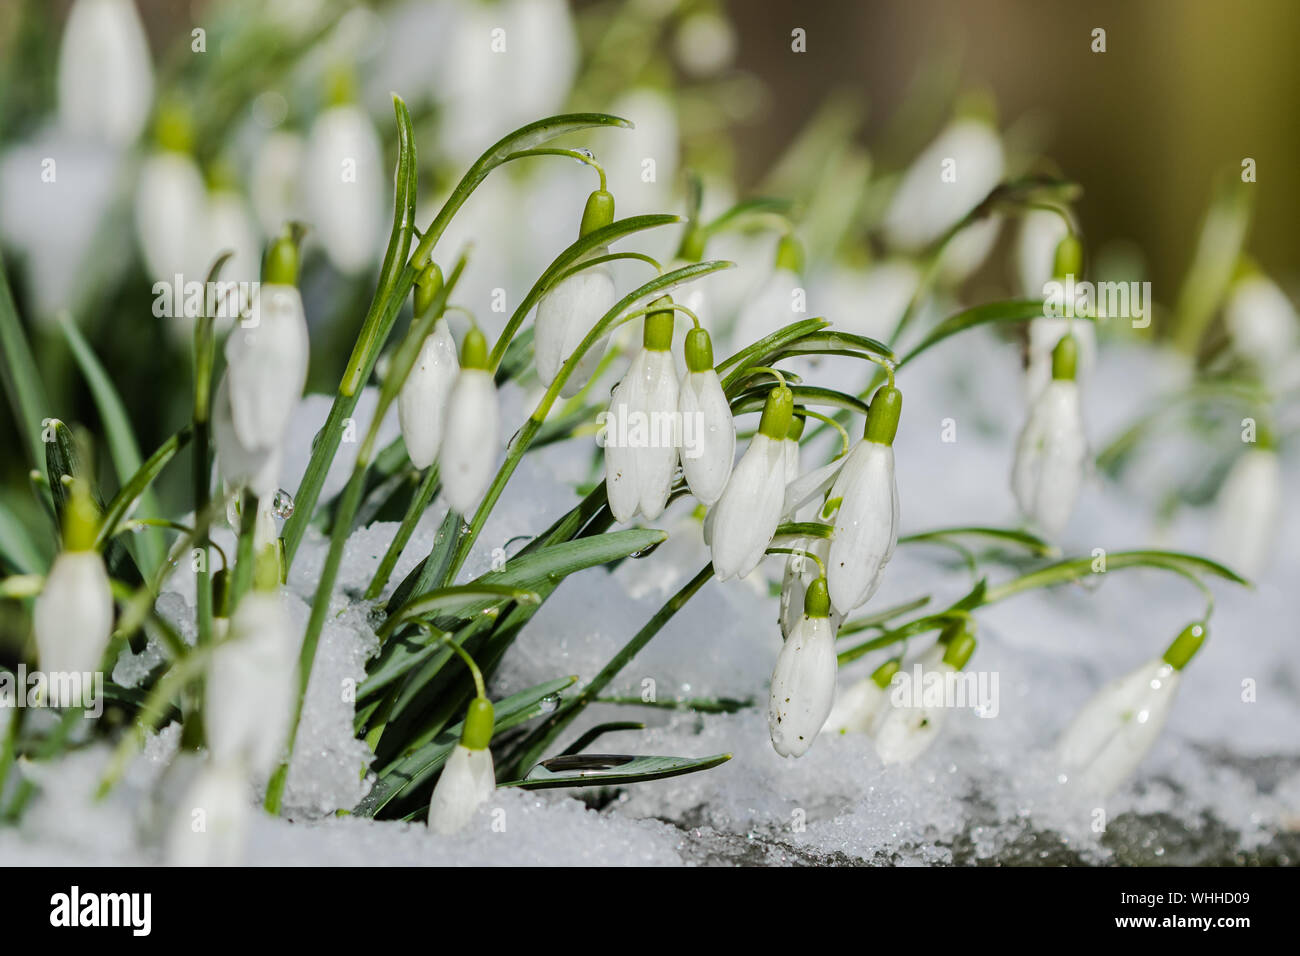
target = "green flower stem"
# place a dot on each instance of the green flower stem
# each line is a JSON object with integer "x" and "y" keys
{"x": 830, "y": 421}
{"x": 801, "y": 553}
{"x": 524, "y": 437}
{"x": 392, "y": 292}
{"x": 558, "y": 151}
{"x": 541, "y": 738}
{"x": 423, "y": 495}
{"x": 1062, "y": 572}
{"x": 479, "y": 687}
{"x": 611, "y": 257}
{"x": 242, "y": 578}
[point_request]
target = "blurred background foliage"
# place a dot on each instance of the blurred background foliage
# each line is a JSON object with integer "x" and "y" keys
{"x": 1184, "y": 91}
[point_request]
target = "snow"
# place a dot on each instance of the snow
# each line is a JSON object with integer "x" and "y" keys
{"x": 1222, "y": 784}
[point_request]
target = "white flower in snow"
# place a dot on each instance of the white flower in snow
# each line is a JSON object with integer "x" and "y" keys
{"x": 1261, "y": 321}
{"x": 423, "y": 400}
{"x": 1249, "y": 505}
{"x": 746, "y": 516}
{"x": 251, "y": 685}
{"x": 73, "y": 615}
{"x": 642, "y": 453}
{"x": 266, "y": 358}
{"x": 866, "y": 520}
{"x": 944, "y": 183}
{"x": 105, "y": 73}
{"x": 1051, "y": 451}
{"x": 171, "y": 217}
{"x": 230, "y": 228}
{"x": 255, "y": 468}
{"x": 916, "y": 711}
{"x": 468, "y": 777}
{"x": 1108, "y": 738}
{"x": 801, "y": 569}
{"x": 803, "y": 682}
{"x": 706, "y": 416}
{"x": 473, "y": 428}
{"x": 565, "y": 314}
{"x": 1041, "y": 232}
{"x": 210, "y": 824}
{"x": 860, "y": 708}
{"x": 344, "y": 186}
{"x": 1045, "y": 333}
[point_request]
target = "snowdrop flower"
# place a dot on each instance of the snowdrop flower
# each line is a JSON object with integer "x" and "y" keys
{"x": 707, "y": 461}
{"x": 1041, "y": 233}
{"x": 266, "y": 354}
{"x": 473, "y": 429}
{"x": 866, "y": 521}
{"x": 1046, "y": 331}
{"x": 254, "y": 468}
{"x": 1051, "y": 450}
{"x": 906, "y": 729}
{"x": 230, "y": 228}
{"x": 211, "y": 822}
{"x": 655, "y": 139}
{"x": 778, "y": 302}
{"x": 344, "y": 184}
{"x": 859, "y": 709}
{"x": 573, "y": 306}
{"x": 251, "y": 684}
{"x": 468, "y": 777}
{"x": 73, "y": 616}
{"x": 642, "y": 453}
{"x": 790, "y": 446}
{"x": 746, "y": 516}
{"x": 1261, "y": 321}
{"x": 803, "y": 683}
{"x": 1249, "y": 504}
{"x": 105, "y": 74}
{"x": 275, "y": 185}
{"x": 171, "y": 204}
{"x": 1113, "y": 732}
{"x": 422, "y": 402}
{"x": 949, "y": 179}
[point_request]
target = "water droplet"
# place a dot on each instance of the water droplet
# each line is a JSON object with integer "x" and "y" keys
{"x": 646, "y": 551}
{"x": 549, "y": 703}
{"x": 585, "y": 152}
{"x": 282, "y": 504}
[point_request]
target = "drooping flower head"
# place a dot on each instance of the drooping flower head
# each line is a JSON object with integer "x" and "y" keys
{"x": 422, "y": 402}
{"x": 468, "y": 777}
{"x": 469, "y": 445}
{"x": 709, "y": 448}
{"x": 803, "y": 682}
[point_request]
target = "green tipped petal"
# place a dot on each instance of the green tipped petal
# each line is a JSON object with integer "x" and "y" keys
{"x": 699, "y": 351}
{"x": 882, "y": 416}
{"x": 777, "y": 412}
{"x": 598, "y": 213}
{"x": 477, "y": 733}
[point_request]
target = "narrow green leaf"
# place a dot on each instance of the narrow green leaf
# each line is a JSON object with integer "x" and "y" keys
{"x": 610, "y": 770}
{"x": 764, "y": 348}
{"x": 1015, "y": 310}
{"x": 18, "y": 367}
{"x": 1026, "y": 540}
{"x": 120, "y": 507}
{"x": 754, "y": 399}
{"x": 122, "y": 447}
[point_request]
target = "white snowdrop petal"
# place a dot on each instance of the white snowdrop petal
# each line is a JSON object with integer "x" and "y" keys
{"x": 1050, "y": 457}
{"x": 73, "y": 615}
{"x": 267, "y": 366}
{"x": 258, "y": 469}
{"x": 866, "y": 525}
{"x": 709, "y": 435}
{"x": 105, "y": 78}
{"x": 344, "y": 184}
{"x": 467, "y": 780}
{"x": 220, "y": 798}
{"x": 470, "y": 443}
{"x": 1248, "y": 506}
{"x": 170, "y": 217}
{"x": 422, "y": 402}
{"x": 658, "y": 459}
{"x": 803, "y": 687}
{"x": 746, "y": 516}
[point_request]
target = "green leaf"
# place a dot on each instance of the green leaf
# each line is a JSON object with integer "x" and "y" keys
{"x": 122, "y": 446}
{"x": 760, "y": 351}
{"x": 17, "y": 546}
{"x": 120, "y": 507}
{"x": 22, "y": 383}
{"x": 1015, "y": 310}
{"x": 1031, "y": 542}
{"x": 610, "y": 770}
{"x": 414, "y": 769}
{"x": 754, "y": 399}
{"x": 1075, "y": 569}
{"x": 832, "y": 342}
{"x": 458, "y": 598}
{"x": 527, "y": 571}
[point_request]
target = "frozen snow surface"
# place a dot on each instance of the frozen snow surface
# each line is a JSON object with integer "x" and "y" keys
{"x": 1221, "y": 786}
